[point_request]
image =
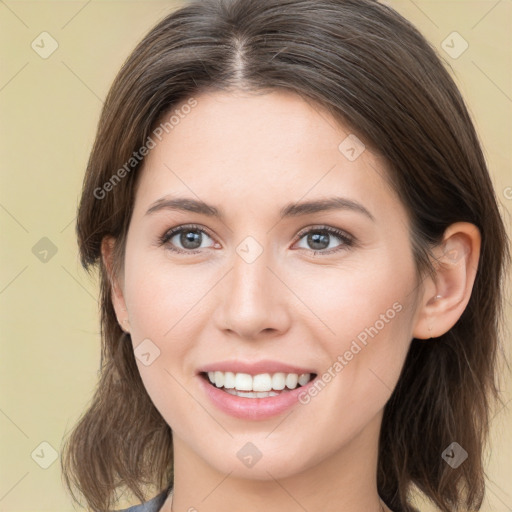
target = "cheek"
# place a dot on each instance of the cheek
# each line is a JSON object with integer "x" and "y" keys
{"x": 162, "y": 298}
{"x": 164, "y": 305}
{"x": 366, "y": 314}
{"x": 167, "y": 306}
{"x": 351, "y": 299}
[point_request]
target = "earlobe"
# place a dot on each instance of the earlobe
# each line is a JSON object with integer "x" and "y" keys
{"x": 456, "y": 263}
{"x": 118, "y": 302}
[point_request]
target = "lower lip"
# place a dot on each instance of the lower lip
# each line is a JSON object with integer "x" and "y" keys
{"x": 252, "y": 408}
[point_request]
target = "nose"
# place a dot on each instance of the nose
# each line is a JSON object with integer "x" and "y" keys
{"x": 253, "y": 301}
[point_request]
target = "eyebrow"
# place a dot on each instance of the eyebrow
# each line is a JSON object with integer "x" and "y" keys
{"x": 290, "y": 210}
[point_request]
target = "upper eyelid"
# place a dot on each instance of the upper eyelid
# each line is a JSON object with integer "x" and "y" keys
{"x": 319, "y": 227}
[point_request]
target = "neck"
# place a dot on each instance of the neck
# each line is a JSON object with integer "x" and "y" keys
{"x": 344, "y": 480}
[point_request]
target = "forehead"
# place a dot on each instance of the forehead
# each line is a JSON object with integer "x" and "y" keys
{"x": 277, "y": 124}
{"x": 260, "y": 150}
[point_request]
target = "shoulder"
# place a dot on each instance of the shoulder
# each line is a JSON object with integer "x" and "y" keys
{"x": 152, "y": 505}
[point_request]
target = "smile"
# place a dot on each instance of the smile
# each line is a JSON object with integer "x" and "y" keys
{"x": 262, "y": 385}
{"x": 254, "y": 397}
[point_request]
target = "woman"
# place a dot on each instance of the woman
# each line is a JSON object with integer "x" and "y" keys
{"x": 301, "y": 257}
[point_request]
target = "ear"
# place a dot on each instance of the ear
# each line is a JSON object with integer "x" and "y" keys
{"x": 117, "y": 293}
{"x": 445, "y": 299}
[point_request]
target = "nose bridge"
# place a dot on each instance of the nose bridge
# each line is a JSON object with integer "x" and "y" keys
{"x": 250, "y": 272}
{"x": 252, "y": 301}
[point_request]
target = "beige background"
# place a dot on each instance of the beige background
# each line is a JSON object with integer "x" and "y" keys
{"x": 49, "y": 109}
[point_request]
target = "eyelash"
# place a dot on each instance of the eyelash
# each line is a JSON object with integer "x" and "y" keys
{"x": 348, "y": 241}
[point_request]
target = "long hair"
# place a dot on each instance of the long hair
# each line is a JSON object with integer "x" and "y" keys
{"x": 378, "y": 75}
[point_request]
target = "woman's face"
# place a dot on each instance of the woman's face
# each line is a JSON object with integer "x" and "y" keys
{"x": 261, "y": 284}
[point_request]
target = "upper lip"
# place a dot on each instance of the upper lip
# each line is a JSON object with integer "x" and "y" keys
{"x": 254, "y": 368}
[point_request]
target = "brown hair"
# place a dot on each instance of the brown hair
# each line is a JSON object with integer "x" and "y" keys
{"x": 377, "y": 74}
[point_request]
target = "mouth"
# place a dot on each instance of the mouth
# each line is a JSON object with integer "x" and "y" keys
{"x": 262, "y": 385}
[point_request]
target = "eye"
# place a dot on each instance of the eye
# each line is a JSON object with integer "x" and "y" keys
{"x": 185, "y": 239}
{"x": 320, "y": 238}
{"x": 189, "y": 239}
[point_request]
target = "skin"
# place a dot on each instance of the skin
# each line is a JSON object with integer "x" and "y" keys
{"x": 250, "y": 155}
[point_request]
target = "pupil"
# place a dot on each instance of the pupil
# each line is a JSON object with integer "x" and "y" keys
{"x": 316, "y": 238}
{"x": 189, "y": 238}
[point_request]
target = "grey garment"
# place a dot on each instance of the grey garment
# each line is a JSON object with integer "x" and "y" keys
{"x": 152, "y": 505}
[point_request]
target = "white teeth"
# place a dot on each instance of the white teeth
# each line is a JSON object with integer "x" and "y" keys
{"x": 251, "y": 394}
{"x": 219, "y": 379}
{"x": 291, "y": 380}
{"x": 279, "y": 381}
{"x": 304, "y": 379}
{"x": 229, "y": 380}
{"x": 243, "y": 381}
{"x": 261, "y": 384}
